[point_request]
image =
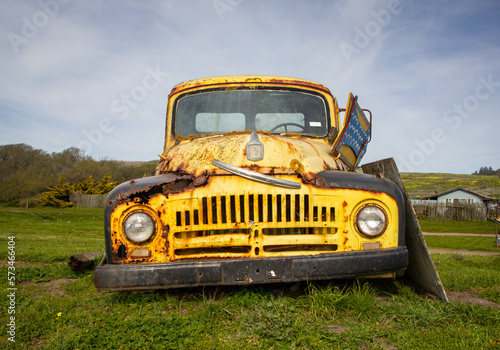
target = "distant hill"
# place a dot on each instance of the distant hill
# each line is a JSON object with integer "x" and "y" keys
{"x": 26, "y": 172}
{"x": 421, "y": 185}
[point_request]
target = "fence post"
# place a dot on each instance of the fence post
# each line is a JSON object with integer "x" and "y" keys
{"x": 496, "y": 228}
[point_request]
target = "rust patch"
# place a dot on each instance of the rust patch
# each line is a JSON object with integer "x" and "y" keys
{"x": 326, "y": 166}
{"x": 164, "y": 165}
{"x": 308, "y": 178}
{"x": 170, "y": 183}
{"x": 201, "y": 180}
{"x": 291, "y": 147}
{"x": 177, "y": 186}
{"x": 320, "y": 182}
{"x": 253, "y": 80}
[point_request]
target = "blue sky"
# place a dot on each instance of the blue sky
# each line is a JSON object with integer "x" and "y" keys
{"x": 96, "y": 74}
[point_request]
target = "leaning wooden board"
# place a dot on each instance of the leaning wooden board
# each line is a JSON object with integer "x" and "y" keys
{"x": 421, "y": 270}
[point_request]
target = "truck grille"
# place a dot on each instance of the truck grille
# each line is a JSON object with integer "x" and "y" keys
{"x": 265, "y": 224}
{"x": 268, "y": 208}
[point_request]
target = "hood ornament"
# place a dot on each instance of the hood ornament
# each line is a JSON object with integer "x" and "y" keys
{"x": 255, "y": 148}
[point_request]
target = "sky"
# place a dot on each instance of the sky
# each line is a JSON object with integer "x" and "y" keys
{"x": 96, "y": 74}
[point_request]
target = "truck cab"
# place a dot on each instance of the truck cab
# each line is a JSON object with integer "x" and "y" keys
{"x": 257, "y": 183}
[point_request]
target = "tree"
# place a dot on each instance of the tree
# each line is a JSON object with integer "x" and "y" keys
{"x": 486, "y": 171}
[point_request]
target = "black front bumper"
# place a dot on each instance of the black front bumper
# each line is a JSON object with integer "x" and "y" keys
{"x": 250, "y": 270}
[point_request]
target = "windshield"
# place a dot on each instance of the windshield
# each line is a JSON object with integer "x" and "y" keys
{"x": 277, "y": 111}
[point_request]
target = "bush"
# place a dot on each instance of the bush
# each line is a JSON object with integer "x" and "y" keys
{"x": 58, "y": 196}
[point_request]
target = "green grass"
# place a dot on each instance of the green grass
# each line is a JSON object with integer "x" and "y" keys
{"x": 374, "y": 314}
{"x": 438, "y": 225}
{"x": 47, "y": 234}
{"x": 327, "y": 316}
{"x": 485, "y": 244}
{"x": 477, "y": 273}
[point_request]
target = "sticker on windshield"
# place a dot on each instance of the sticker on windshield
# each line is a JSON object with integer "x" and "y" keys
{"x": 315, "y": 124}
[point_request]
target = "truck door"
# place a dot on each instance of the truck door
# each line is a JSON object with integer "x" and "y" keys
{"x": 352, "y": 140}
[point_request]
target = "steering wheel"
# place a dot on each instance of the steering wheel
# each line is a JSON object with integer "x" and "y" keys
{"x": 287, "y": 124}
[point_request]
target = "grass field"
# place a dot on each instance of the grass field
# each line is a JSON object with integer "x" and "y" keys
{"x": 484, "y": 244}
{"x": 56, "y": 308}
{"x": 437, "y": 225}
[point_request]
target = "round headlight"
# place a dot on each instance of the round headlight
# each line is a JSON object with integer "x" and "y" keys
{"x": 139, "y": 227}
{"x": 371, "y": 220}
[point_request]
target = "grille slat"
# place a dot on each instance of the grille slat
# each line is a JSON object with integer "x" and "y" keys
{"x": 242, "y": 208}
{"x": 223, "y": 208}
{"x": 232, "y": 201}
{"x": 214, "y": 211}
{"x": 205, "y": 210}
{"x": 297, "y": 207}
{"x": 260, "y": 206}
{"x": 279, "y": 206}
{"x": 251, "y": 208}
{"x": 288, "y": 207}
{"x": 306, "y": 207}
{"x": 270, "y": 213}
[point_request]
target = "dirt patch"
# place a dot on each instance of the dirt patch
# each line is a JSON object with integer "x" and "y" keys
{"x": 336, "y": 329}
{"x": 375, "y": 342}
{"x": 51, "y": 287}
{"x": 36, "y": 343}
{"x": 458, "y": 297}
{"x": 472, "y": 298}
{"x": 379, "y": 344}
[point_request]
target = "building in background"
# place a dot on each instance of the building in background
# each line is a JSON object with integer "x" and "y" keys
{"x": 463, "y": 196}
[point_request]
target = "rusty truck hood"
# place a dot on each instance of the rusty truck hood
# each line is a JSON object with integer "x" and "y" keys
{"x": 282, "y": 155}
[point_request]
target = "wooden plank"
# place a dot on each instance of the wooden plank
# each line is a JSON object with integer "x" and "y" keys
{"x": 421, "y": 270}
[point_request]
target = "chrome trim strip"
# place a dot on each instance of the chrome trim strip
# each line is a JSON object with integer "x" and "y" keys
{"x": 252, "y": 175}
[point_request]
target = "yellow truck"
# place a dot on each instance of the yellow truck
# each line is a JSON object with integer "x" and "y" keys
{"x": 257, "y": 183}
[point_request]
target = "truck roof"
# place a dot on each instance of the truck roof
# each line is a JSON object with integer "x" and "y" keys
{"x": 248, "y": 80}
